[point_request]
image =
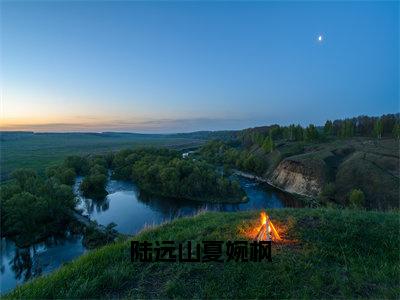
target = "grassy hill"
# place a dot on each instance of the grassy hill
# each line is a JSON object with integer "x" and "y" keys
{"x": 364, "y": 163}
{"x": 324, "y": 254}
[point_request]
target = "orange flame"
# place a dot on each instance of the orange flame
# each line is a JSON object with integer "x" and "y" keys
{"x": 271, "y": 228}
{"x": 276, "y": 234}
{"x": 263, "y": 218}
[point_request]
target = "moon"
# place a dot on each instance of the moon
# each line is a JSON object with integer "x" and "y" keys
{"x": 320, "y": 38}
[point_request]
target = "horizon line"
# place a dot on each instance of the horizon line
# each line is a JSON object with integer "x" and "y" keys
{"x": 150, "y": 132}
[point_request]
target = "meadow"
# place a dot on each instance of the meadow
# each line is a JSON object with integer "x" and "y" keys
{"x": 324, "y": 253}
{"x": 39, "y": 150}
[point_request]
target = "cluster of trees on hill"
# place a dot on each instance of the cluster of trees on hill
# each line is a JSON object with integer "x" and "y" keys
{"x": 378, "y": 127}
{"x": 34, "y": 207}
{"x": 164, "y": 172}
{"x": 230, "y": 155}
{"x": 259, "y": 150}
{"x": 266, "y": 136}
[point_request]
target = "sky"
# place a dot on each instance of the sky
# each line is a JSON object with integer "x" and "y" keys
{"x": 187, "y": 66}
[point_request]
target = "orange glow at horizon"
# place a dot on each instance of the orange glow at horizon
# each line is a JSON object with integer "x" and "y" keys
{"x": 26, "y": 122}
{"x": 82, "y": 124}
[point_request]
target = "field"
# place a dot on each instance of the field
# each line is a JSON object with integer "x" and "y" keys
{"x": 324, "y": 254}
{"x": 39, "y": 150}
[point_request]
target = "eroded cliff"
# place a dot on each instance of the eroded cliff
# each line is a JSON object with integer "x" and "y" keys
{"x": 305, "y": 177}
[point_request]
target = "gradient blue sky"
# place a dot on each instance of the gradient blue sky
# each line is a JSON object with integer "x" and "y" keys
{"x": 167, "y": 67}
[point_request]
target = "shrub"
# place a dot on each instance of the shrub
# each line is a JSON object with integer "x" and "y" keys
{"x": 356, "y": 198}
{"x": 93, "y": 186}
{"x": 328, "y": 193}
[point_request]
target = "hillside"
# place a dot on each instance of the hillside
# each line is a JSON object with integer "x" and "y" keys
{"x": 324, "y": 254}
{"x": 363, "y": 163}
{"x": 326, "y": 170}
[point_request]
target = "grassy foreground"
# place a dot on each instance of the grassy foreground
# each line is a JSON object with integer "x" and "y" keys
{"x": 326, "y": 254}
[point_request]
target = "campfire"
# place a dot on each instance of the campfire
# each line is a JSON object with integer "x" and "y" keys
{"x": 267, "y": 230}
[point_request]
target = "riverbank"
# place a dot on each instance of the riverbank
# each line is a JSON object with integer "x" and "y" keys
{"x": 259, "y": 178}
{"x": 131, "y": 210}
{"x": 325, "y": 253}
{"x": 328, "y": 170}
{"x": 306, "y": 200}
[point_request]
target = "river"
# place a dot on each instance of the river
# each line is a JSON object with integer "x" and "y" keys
{"x": 131, "y": 210}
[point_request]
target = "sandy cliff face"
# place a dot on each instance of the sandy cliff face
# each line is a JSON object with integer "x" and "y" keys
{"x": 305, "y": 177}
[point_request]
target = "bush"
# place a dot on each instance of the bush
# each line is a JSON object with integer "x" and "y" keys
{"x": 62, "y": 174}
{"x": 327, "y": 194}
{"x": 93, "y": 238}
{"x": 79, "y": 164}
{"x": 93, "y": 186}
{"x": 356, "y": 198}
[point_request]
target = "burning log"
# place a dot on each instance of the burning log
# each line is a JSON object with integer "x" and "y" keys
{"x": 261, "y": 233}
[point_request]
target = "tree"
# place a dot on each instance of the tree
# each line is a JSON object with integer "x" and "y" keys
{"x": 33, "y": 207}
{"x": 23, "y": 215}
{"x": 328, "y": 128}
{"x": 167, "y": 174}
{"x": 378, "y": 129}
{"x": 396, "y": 131}
{"x": 298, "y": 133}
{"x": 388, "y": 123}
{"x": 276, "y": 132}
{"x": 64, "y": 175}
{"x": 25, "y": 178}
{"x": 311, "y": 133}
{"x": 257, "y": 138}
{"x": 288, "y": 132}
{"x": 356, "y": 198}
{"x": 98, "y": 169}
{"x": 268, "y": 144}
{"x": 78, "y": 163}
{"x": 93, "y": 186}
{"x": 346, "y": 129}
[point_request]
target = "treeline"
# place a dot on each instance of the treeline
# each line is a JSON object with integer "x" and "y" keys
{"x": 247, "y": 158}
{"x": 35, "y": 207}
{"x": 253, "y": 148}
{"x": 377, "y": 127}
{"x": 164, "y": 172}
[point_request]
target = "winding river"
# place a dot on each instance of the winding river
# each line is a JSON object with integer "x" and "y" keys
{"x": 131, "y": 211}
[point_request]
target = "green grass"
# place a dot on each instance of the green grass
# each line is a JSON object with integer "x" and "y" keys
{"x": 327, "y": 254}
{"x": 40, "y": 150}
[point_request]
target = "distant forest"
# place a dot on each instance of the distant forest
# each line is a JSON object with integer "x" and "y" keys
{"x": 384, "y": 126}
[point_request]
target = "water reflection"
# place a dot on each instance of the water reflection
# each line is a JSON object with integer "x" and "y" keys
{"x": 20, "y": 264}
{"x": 97, "y": 205}
{"x": 131, "y": 209}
